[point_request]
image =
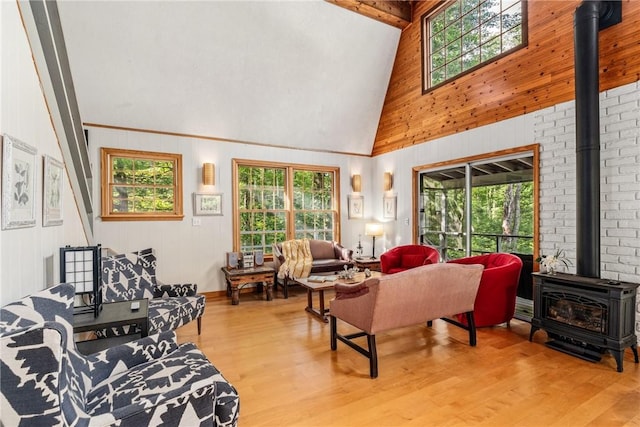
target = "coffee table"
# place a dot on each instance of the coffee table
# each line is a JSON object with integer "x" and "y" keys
{"x": 112, "y": 314}
{"x": 320, "y": 287}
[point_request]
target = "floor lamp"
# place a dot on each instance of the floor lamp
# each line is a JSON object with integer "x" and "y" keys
{"x": 374, "y": 230}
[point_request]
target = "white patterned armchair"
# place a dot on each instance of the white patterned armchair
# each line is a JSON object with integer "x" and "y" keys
{"x": 133, "y": 276}
{"x": 45, "y": 381}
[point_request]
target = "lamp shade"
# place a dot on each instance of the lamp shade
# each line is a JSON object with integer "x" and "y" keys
{"x": 387, "y": 181}
{"x": 208, "y": 174}
{"x": 373, "y": 229}
{"x": 356, "y": 183}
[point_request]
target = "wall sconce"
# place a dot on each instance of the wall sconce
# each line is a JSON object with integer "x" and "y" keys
{"x": 374, "y": 230}
{"x": 208, "y": 174}
{"x": 356, "y": 183}
{"x": 387, "y": 181}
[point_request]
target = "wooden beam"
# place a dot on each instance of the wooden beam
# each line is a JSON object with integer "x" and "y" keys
{"x": 392, "y": 12}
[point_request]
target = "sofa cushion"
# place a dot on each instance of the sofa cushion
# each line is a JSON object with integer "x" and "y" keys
{"x": 321, "y": 249}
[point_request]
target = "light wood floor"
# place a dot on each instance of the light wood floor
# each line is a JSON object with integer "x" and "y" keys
{"x": 279, "y": 359}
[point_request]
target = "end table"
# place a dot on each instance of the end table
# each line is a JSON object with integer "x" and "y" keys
{"x": 372, "y": 264}
{"x": 237, "y": 278}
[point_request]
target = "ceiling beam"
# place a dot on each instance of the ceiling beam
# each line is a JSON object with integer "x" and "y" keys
{"x": 393, "y": 12}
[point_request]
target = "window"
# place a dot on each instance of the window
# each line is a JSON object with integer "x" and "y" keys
{"x": 462, "y": 35}
{"x": 276, "y": 202}
{"x": 141, "y": 185}
{"x": 479, "y": 206}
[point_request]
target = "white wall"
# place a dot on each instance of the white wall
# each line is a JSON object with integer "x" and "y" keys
{"x": 510, "y": 133}
{"x": 24, "y": 115}
{"x": 195, "y": 254}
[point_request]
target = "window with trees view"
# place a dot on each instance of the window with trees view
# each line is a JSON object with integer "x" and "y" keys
{"x": 479, "y": 207}
{"x": 141, "y": 185}
{"x": 276, "y": 202}
{"x": 462, "y": 35}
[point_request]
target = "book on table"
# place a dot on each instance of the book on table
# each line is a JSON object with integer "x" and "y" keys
{"x": 322, "y": 279}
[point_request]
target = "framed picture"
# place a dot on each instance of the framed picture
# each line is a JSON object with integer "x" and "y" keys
{"x": 207, "y": 204}
{"x": 356, "y": 207}
{"x": 18, "y": 184}
{"x": 389, "y": 207}
{"x": 52, "y": 194}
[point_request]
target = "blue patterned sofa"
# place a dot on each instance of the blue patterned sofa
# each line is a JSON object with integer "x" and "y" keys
{"x": 44, "y": 381}
{"x": 133, "y": 276}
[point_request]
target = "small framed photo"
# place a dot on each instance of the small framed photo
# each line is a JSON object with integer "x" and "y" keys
{"x": 389, "y": 207}
{"x": 207, "y": 204}
{"x": 52, "y": 194}
{"x": 356, "y": 207}
{"x": 18, "y": 184}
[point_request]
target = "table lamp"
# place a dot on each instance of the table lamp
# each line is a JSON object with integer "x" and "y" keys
{"x": 373, "y": 229}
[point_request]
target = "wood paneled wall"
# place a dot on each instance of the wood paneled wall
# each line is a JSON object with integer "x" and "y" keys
{"x": 536, "y": 77}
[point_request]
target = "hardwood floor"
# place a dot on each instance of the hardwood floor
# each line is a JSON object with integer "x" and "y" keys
{"x": 278, "y": 357}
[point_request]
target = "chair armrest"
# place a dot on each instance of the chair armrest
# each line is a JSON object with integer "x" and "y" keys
{"x": 175, "y": 290}
{"x": 342, "y": 253}
{"x": 389, "y": 261}
{"x": 123, "y": 357}
{"x": 351, "y": 291}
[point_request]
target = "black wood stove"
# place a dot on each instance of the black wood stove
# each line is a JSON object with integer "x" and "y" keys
{"x": 585, "y": 317}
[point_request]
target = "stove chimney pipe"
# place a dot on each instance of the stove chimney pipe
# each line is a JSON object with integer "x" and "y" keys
{"x": 589, "y": 18}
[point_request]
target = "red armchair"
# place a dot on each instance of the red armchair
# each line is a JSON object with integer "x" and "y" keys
{"x": 405, "y": 257}
{"x": 496, "y": 298}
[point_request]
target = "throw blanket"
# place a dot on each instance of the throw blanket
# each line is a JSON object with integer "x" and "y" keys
{"x": 297, "y": 259}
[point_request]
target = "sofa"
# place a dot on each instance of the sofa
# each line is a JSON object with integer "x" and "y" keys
{"x": 496, "y": 300}
{"x": 327, "y": 256}
{"x": 405, "y": 257}
{"x": 133, "y": 276}
{"x": 407, "y": 298}
{"x": 45, "y": 381}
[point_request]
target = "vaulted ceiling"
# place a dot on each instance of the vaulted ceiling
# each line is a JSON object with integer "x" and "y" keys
{"x": 300, "y": 74}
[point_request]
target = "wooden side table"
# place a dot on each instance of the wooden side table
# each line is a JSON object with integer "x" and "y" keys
{"x": 372, "y": 264}
{"x": 112, "y": 314}
{"x": 237, "y": 278}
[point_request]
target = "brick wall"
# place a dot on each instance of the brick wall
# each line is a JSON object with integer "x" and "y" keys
{"x": 619, "y": 183}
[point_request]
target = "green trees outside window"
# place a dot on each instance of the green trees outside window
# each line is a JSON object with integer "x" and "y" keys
{"x": 501, "y": 214}
{"x": 141, "y": 185}
{"x": 464, "y": 34}
{"x": 277, "y": 202}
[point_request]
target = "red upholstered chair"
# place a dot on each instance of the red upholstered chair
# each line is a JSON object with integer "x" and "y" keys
{"x": 405, "y": 257}
{"x": 496, "y": 298}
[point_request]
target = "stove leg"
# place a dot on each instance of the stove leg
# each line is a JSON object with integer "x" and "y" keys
{"x": 635, "y": 353}
{"x": 619, "y": 355}
{"x": 533, "y": 331}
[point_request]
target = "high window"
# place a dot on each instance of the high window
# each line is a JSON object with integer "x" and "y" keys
{"x": 275, "y": 202}
{"x": 141, "y": 185}
{"x": 462, "y": 35}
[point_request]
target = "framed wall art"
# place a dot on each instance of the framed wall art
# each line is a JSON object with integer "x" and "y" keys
{"x": 52, "y": 194}
{"x": 18, "y": 184}
{"x": 356, "y": 207}
{"x": 389, "y": 207}
{"x": 207, "y": 204}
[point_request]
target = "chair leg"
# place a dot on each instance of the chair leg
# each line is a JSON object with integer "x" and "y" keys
{"x": 285, "y": 288}
{"x": 429, "y": 323}
{"x": 471, "y": 323}
{"x": 334, "y": 332}
{"x": 199, "y": 325}
{"x": 373, "y": 356}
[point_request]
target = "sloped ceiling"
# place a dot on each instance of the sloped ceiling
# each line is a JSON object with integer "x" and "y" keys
{"x": 299, "y": 74}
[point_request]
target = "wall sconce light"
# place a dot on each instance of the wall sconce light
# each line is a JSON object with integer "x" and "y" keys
{"x": 387, "y": 181}
{"x": 208, "y": 174}
{"x": 356, "y": 183}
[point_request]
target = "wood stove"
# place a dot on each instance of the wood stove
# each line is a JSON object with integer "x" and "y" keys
{"x": 585, "y": 317}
